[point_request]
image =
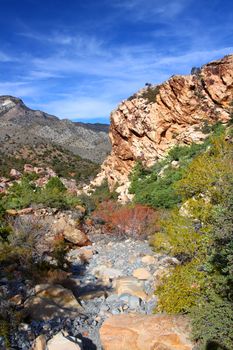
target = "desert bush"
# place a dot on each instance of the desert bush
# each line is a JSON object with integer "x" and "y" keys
{"x": 21, "y": 243}
{"x": 212, "y": 322}
{"x": 25, "y": 193}
{"x": 181, "y": 290}
{"x": 154, "y": 190}
{"x": 59, "y": 250}
{"x": 20, "y": 195}
{"x": 180, "y": 153}
{"x": 150, "y": 93}
{"x": 55, "y": 184}
{"x": 180, "y": 237}
{"x": 156, "y": 186}
{"x": 208, "y": 173}
{"x": 133, "y": 220}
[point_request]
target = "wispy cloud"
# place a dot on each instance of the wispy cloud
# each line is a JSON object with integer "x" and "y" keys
{"x": 6, "y": 58}
{"x": 83, "y": 77}
{"x": 147, "y": 10}
{"x": 19, "y": 89}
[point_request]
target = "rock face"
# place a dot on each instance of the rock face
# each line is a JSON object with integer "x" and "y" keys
{"x": 144, "y": 127}
{"x": 90, "y": 141}
{"x": 137, "y": 332}
{"x": 51, "y": 301}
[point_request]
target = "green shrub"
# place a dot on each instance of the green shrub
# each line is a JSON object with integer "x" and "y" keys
{"x": 25, "y": 193}
{"x": 55, "y": 184}
{"x": 181, "y": 290}
{"x": 180, "y": 238}
{"x": 20, "y": 195}
{"x": 212, "y": 322}
{"x": 156, "y": 186}
{"x": 150, "y": 93}
{"x": 181, "y": 153}
{"x": 154, "y": 190}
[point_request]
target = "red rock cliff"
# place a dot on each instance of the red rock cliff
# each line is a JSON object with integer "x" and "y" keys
{"x": 145, "y": 130}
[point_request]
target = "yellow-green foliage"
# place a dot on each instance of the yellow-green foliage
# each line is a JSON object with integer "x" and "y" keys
{"x": 181, "y": 289}
{"x": 189, "y": 232}
{"x": 208, "y": 172}
{"x": 199, "y": 208}
{"x": 5, "y": 332}
{"x": 178, "y": 236}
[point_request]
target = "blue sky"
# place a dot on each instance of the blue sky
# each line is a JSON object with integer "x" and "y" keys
{"x": 79, "y": 59}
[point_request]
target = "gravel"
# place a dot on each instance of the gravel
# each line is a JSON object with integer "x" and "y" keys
{"x": 98, "y": 299}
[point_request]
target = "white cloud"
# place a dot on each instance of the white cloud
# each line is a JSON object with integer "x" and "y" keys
{"x": 86, "y": 78}
{"x": 79, "y": 107}
{"x": 5, "y": 57}
{"x": 19, "y": 89}
{"x": 152, "y": 9}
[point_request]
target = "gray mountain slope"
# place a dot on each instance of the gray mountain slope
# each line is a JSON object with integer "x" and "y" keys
{"x": 20, "y": 125}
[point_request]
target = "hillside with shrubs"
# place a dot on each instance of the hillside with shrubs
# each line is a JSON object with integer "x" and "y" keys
{"x": 193, "y": 188}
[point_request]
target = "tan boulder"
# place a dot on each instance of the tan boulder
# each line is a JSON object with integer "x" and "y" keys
{"x": 51, "y": 301}
{"x": 130, "y": 285}
{"x": 148, "y": 260}
{"x": 12, "y": 212}
{"x": 107, "y": 273}
{"x": 86, "y": 253}
{"x": 39, "y": 343}
{"x": 145, "y": 332}
{"x": 68, "y": 228}
{"x": 16, "y": 299}
{"x": 60, "y": 342}
{"x": 15, "y": 174}
{"x": 74, "y": 235}
{"x": 142, "y": 274}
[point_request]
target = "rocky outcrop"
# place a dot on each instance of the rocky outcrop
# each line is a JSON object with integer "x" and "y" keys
{"x": 137, "y": 332}
{"x": 144, "y": 127}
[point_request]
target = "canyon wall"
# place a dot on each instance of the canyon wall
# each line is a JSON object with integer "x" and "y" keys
{"x": 144, "y": 127}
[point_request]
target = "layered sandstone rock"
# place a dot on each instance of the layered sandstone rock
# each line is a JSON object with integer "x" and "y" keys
{"x": 137, "y": 332}
{"x": 144, "y": 130}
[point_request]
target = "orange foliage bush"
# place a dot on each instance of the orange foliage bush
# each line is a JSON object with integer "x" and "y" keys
{"x": 132, "y": 220}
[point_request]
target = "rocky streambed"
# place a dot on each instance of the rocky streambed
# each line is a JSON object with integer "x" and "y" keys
{"x": 112, "y": 276}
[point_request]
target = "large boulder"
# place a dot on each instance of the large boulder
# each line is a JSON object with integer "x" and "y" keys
{"x": 70, "y": 231}
{"x": 143, "y": 332}
{"x": 130, "y": 285}
{"x": 51, "y": 301}
{"x": 60, "y": 342}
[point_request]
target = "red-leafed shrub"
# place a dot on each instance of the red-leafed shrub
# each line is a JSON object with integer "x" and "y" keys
{"x": 132, "y": 220}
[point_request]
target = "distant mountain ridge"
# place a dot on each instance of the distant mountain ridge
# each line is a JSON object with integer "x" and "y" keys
{"x": 20, "y": 126}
